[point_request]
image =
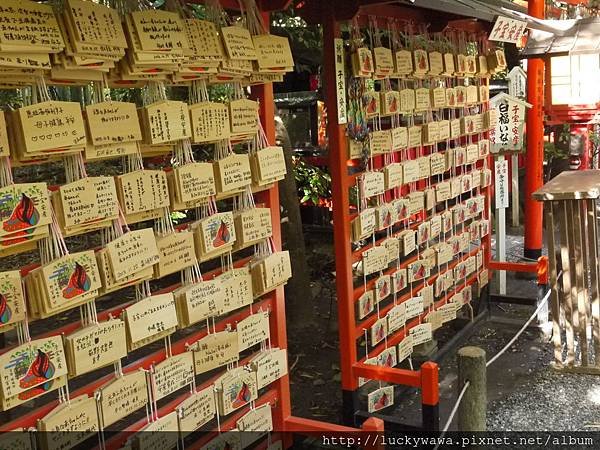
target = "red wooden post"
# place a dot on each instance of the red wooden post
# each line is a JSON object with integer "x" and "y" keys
{"x": 373, "y": 440}
{"x": 338, "y": 158}
{"x": 534, "y": 161}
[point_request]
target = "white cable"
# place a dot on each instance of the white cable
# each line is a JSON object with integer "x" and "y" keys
{"x": 516, "y": 336}
{"x": 491, "y": 361}
{"x": 452, "y": 414}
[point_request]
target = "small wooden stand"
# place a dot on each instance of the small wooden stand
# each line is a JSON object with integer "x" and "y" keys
{"x": 572, "y": 235}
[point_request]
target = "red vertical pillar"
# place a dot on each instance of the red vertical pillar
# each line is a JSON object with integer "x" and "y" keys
{"x": 338, "y": 158}
{"x": 534, "y": 159}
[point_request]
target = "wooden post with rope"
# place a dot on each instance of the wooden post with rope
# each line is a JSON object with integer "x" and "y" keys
{"x": 473, "y": 408}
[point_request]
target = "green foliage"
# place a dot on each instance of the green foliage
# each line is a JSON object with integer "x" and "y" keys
{"x": 552, "y": 152}
{"x": 314, "y": 184}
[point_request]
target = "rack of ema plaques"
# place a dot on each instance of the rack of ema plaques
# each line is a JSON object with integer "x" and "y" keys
{"x": 409, "y": 118}
{"x": 571, "y": 202}
{"x": 125, "y": 319}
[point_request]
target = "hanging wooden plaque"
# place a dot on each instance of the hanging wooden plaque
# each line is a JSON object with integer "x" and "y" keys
{"x": 122, "y": 396}
{"x": 235, "y": 389}
{"x": 172, "y": 374}
{"x": 176, "y": 251}
{"x": 378, "y": 331}
{"x": 272, "y": 52}
{"x": 132, "y": 252}
{"x": 142, "y": 190}
{"x": 32, "y": 26}
{"x": 159, "y": 30}
{"x": 112, "y": 122}
{"x": 365, "y": 304}
{"x": 243, "y": 116}
{"x": 209, "y": 122}
{"x": 233, "y": 172}
{"x": 215, "y": 350}
{"x": 31, "y": 369}
{"x": 196, "y": 410}
{"x": 95, "y": 346}
{"x": 149, "y": 317}
{"x": 396, "y": 317}
{"x": 253, "y": 225}
{"x": 270, "y": 165}
{"x": 90, "y": 199}
{"x": 253, "y": 330}
{"x": 158, "y": 435}
{"x": 12, "y": 301}
{"x": 238, "y": 43}
{"x": 237, "y": 288}
{"x": 166, "y": 121}
{"x": 270, "y": 366}
{"x": 68, "y": 424}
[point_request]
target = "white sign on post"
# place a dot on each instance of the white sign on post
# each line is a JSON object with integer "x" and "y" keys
{"x": 501, "y": 186}
{"x": 507, "y": 30}
{"x": 340, "y": 81}
{"x": 517, "y": 82}
{"x": 507, "y": 134}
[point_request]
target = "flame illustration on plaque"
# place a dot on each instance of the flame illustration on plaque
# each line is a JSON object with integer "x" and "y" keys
{"x": 40, "y": 370}
{"x": 5, "y": 312}
{"x": 223, "y": 235}
{"x": 387, "y": 221}
{"x": 366, "y": 66}
{"x": 371, "y": 105}
{"x": 24, "y": 215}
{"x": 382, "y": 402}
{"x": 79, "y": 282}
{"x": 367, "y": 307}
{"x": 392, "y": 104}
{"x": 242, "y": 396}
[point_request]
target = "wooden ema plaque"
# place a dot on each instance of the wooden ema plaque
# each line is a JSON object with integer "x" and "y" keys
{"x": 85, "y": 202}
{"x": 238, "y": 43}
{"x": 23, "y": 207}
{"x": 142, "y": 190}
{"x": 193, "y": 182}
{"x": 159, "y": 31}
{"x": 204, "y": 39}
{"x": 235, "y": 389}
{"x": 270, "y": 365}
{"x": 96, "y": 24}
{"x": 271, "y": 272}
{"x": 112, "y": 123}
{"x": 176, "y": 251}
{"x": 253, "y": 330}
{"x": 150, "y": 319}
{"x": 215, "y": 350}
{"x": 48, "y": 126}
{"x": 198, "y": 301}
{"x": 63, "y": 284}
{"x": 31, "y": 370}
{"x": 174, "y": 373}
{"x": 165, "y": 121}
{"x": 43, "y": 31}
{"x": 68, "y": 424}
{"x": 214, "y": 235}
{"x": 95, "y": 346}
{"x": 268, "y": 165}
{"x": 122, "y": 396}
{"x": 243, "y": 116}
{"x": 196, "y": 410}
{"x": 237, "y": 287}
{"x": 273, "y": 52}
{"x": 252, "y": 225}
{"x": 132, "y": 253}
{"x": 209, "y": 122}
{"x": 11, "y": 299}
{"x": 233, "y": 173}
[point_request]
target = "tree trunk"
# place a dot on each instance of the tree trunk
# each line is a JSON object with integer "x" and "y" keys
{"x": 298, "y": 292}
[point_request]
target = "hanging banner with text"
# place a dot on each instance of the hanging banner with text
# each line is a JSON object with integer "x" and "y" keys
{"x": 507, "y": 30}
{"x": 340, "y": 81}
{"x": 507, "y": 134}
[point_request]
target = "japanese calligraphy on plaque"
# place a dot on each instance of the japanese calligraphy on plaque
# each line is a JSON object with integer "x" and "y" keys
{"x": 95, "y": 346}
{"x": 215, "y": 350}
{"x": 112, "y": 122}
{"x": 209, "y": 122}
{"x": 150, "y": 319}
{"x": 172, "y": 374}
{"x": 196, "y": 410}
